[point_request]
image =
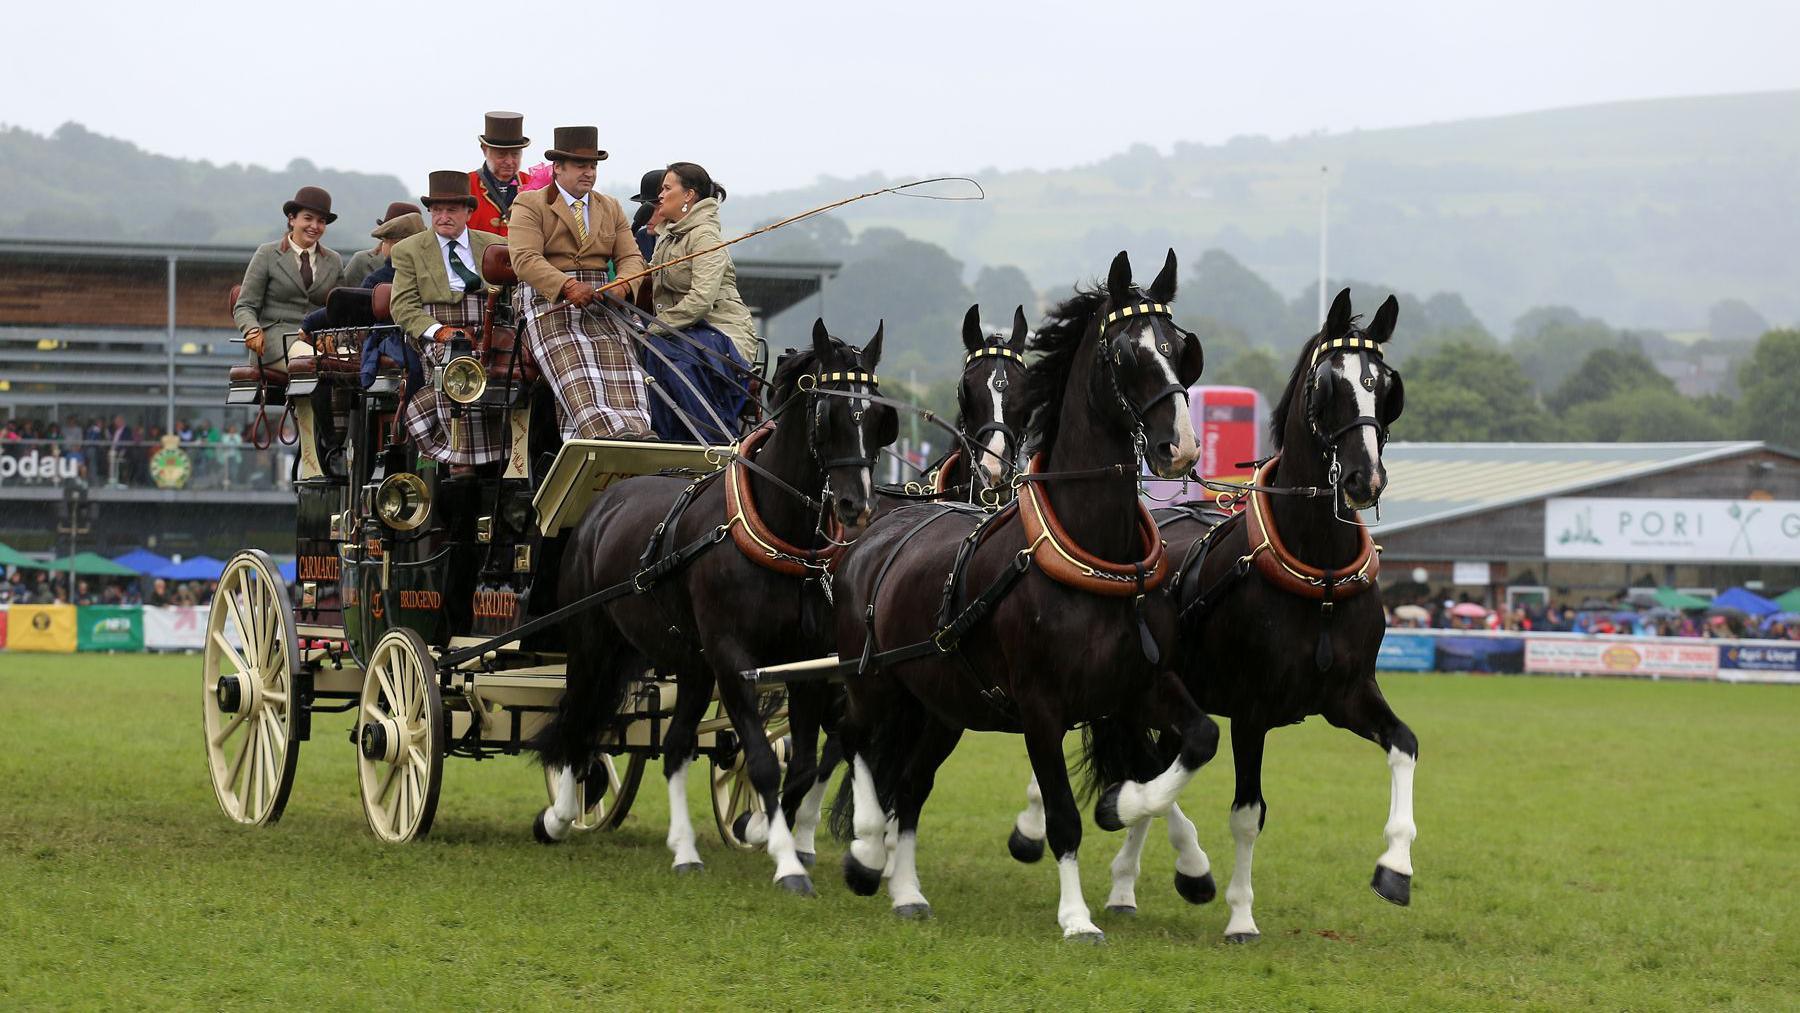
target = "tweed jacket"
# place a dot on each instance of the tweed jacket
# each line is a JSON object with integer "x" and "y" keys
{"x": 545, "y": 246}
{"x": 360, "y": 265}
{"x": 422, "y": 280}
{"x": 705, "y": 288}
{"x": 272, "y": 297}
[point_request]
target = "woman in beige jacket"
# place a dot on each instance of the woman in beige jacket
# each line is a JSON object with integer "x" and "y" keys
{"x": 702, "y": 291}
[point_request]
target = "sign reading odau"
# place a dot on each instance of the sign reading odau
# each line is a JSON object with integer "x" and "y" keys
{"x": 1690, "y": 530}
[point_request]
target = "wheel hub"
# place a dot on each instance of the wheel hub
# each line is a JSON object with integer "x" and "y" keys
{"x": 381, "y": 740}
{"x": 229, "y": 694}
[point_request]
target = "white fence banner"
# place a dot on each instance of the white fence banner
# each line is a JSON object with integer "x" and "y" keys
{"x": 1667, "y": 658}
{"x": 1675, "y": 530}
{"x": 177, "y": 627}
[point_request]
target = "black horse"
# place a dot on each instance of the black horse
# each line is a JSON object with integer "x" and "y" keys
{"x": 756, "y": 601}
{"x": 1281, "y": 617}
{"x": 1070, "y": 630}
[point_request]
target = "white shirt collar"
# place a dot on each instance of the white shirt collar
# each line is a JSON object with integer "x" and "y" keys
{"x": 569, "y": 198}
{"x": 461, "y": 241}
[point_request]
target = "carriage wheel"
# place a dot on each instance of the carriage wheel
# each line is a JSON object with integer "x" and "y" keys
{"x": 734, "y": 798}
{"x": 604, "y": 795}
{"x": 247, "y": 690}
{"x": 400, "y": 738}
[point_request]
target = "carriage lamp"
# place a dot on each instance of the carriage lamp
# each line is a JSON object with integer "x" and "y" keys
{"x": 464, "y": 379}
{"x": 402, "y": 501}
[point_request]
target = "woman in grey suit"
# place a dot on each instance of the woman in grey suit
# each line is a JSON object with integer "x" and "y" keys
{"x": 286, "y": 278}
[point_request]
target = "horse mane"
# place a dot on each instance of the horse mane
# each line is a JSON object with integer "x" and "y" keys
{"x": 1048, "y": 375}
{"x": 1278, "y": 415}
{"x": 790, "y": 367}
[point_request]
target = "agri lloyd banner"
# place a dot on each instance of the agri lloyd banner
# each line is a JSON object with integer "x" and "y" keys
{"x": 1759, "y": 662}
{"x": 1675, "y": 530}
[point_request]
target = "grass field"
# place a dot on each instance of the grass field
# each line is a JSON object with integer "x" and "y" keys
{"x": 1620, "y": 845}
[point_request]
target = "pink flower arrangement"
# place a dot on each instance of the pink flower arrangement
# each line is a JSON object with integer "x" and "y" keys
{"x": 535, "y": 178}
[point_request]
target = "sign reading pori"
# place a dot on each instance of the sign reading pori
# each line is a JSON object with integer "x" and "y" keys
{"x": 1690, "y": 530}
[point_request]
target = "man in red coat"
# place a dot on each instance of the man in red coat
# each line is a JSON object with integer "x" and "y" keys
{"x": 496, "y": 183}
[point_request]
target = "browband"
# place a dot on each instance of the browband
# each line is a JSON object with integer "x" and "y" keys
{"x": 1351, "y": 343}
{"x": 1000, "y": 350}
{"x": 1148, "y": 309}
{"x": 855, "y": 376}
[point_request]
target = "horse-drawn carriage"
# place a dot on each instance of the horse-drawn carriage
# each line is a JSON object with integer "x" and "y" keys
{"x": 426, "y": 603}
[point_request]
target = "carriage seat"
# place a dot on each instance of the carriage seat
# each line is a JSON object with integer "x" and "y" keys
{"x": 501, "y": 343}
{"x": 496, "y": 266}
{"x": 258, "y": 374}
{"x": 350, "y": 307}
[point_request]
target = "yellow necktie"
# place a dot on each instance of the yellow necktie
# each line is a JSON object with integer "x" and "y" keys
{"x": 580, "y": 209}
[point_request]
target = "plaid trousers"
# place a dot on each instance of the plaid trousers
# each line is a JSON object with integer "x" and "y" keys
{"x": 483, "y": 432}
{"x": 590, "y": 363}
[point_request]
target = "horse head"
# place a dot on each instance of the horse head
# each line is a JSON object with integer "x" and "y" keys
{"x": 989, "y": 397}
{"x": 1352, "y": 397}
{"x": 1150, "y": 362}
{"x": 846, "y": 428}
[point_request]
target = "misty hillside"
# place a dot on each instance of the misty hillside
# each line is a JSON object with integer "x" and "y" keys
{"x": 1644, "y": 213}
{"x": 76, "y": 184}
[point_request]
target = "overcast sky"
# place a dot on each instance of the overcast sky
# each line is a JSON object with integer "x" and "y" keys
{"x": 774, "y": 94}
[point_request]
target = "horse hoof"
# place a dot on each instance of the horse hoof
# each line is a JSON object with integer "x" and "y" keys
{"x": 862, "y": 880}
{"x": 690, "y": 868}
{"x": 1094, "y": 938}
{"x": 1106, "y": 811}
{"x": 1242, "y": 937}
{"x": 800, "y": 884}
{"x": 1127, "y": 910}
{"x": 807, "y": 858}
{"x": 1196, "y": 889}
{"x": 913, "y": 912}
{"x": 1393, "y": 887}
{"x": 1024, "y": 849}
{"x": 542, "y": 832}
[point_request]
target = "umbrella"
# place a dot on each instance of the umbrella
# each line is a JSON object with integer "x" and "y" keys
{"x": 1661, "y": 612}
{"x": 1790, "y": 618}
{"x": 1789, "y": 600}
{"x": 1727, "y": 612}
{"x": 1469, "y": 610}
{"x": 1746, "y": 601}
{"x": 1668, "y": 597}
{"x": 90, "y": 564}
{"x": 10, "y": 556}
{"x": 1412, "y": 614}
{"x": 197, "y": 568}
{"x": 142, "y": 560}
{"x": 289, "y": 571}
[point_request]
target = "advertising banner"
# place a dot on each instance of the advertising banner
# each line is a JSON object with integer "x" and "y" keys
{"x": 109, "y": 628}
{"x": 1671, "y": 658}
{"x": 1406, "y": 652}
{"x": 175, "y": 628}
{"x": 1481, "y": 654}
{"x": 41, "y": 628}
{"x": 1756, "y": 662}
{"x": 1674, "y": 530}
{"x": 2, "y": 627}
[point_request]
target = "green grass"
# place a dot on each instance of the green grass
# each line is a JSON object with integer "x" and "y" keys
{"x": 1621, "y": 845}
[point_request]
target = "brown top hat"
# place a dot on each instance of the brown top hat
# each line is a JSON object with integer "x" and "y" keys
{"x": 310, "y": 198}
{"x": 448, "y": 186}
{"x": 396, "y": 209}
{"x": 577, "y": 142}
{"x": 505, "y": 130}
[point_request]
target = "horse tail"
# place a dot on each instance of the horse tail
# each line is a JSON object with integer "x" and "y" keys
{"x": 601, "y": 665}
{"x": 1114, "y": 750}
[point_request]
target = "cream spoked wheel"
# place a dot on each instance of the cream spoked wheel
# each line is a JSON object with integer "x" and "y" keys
{"x": 734, "y": 798}
{"x": 247, "y": 697}
{"x": 606, "y": 794}
{"x": 400, "y": 738}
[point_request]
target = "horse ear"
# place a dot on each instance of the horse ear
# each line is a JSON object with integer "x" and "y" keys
{"x": 1163, "y": 288}
{"x": 1338, "y": 320}
{"x": 972, "y": 329}
{"x": 1382, "y": 327}
{"x": 821, "y": 340}
{"x": 1118, "y": 280}
{"x": 1021, "y": 328}
{"x": 871, "y": 353}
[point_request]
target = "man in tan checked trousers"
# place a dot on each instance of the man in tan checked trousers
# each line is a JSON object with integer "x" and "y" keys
{"x": 562, "y": 238}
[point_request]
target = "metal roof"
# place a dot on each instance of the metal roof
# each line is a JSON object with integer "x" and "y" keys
{"x": 1432, "y": 482}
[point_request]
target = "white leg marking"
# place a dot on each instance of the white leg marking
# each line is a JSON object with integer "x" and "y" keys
{"x": 806, "y": 821}
{"x": 1125, "y": 867}
{"x": 903, "y": 885}
{"x": 1138, "y": 802}
{"x": 756, "y": 829}
{"x": 1399, "y": 830}
{"x": 891, "y": 838}
{"x": 1246, "y": 824}
{"x": 681, "y": 825}
{"x": 562, "y": 810}
{"x": 870, "y": 822}
{"x": 1071, "y": 909}
{"x": 781, "y": 849}
{"x": 1031, "y": 822}
{"x": 1190, "y": 859}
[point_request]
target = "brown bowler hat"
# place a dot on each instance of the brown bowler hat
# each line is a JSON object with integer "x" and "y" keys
{"x": 505, "y": 130}
{"x": 578, "y": 143}
{"x": 448, "y": 186}
{"x": 396, "y": 209}
{"x": 310, "y": 198}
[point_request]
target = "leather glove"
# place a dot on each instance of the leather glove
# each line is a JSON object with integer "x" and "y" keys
{"x": 253, "y": 340}
{"x": 578, "y": 292}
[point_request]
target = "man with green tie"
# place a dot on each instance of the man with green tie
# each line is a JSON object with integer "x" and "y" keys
{"x": 438, "y": 294}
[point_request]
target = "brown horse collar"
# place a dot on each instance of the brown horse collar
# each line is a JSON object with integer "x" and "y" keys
{"x": 1280, "y": 567}
{"x": 752, "y": 535}
{"x": 1069, "y": 564}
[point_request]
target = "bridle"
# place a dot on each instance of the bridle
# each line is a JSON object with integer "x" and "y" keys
{"x": 1161, "y": 320}
{"x": 814, "y": 385}
{"x": 1009, "y": 440}
{"x": 1330, "y": 441}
